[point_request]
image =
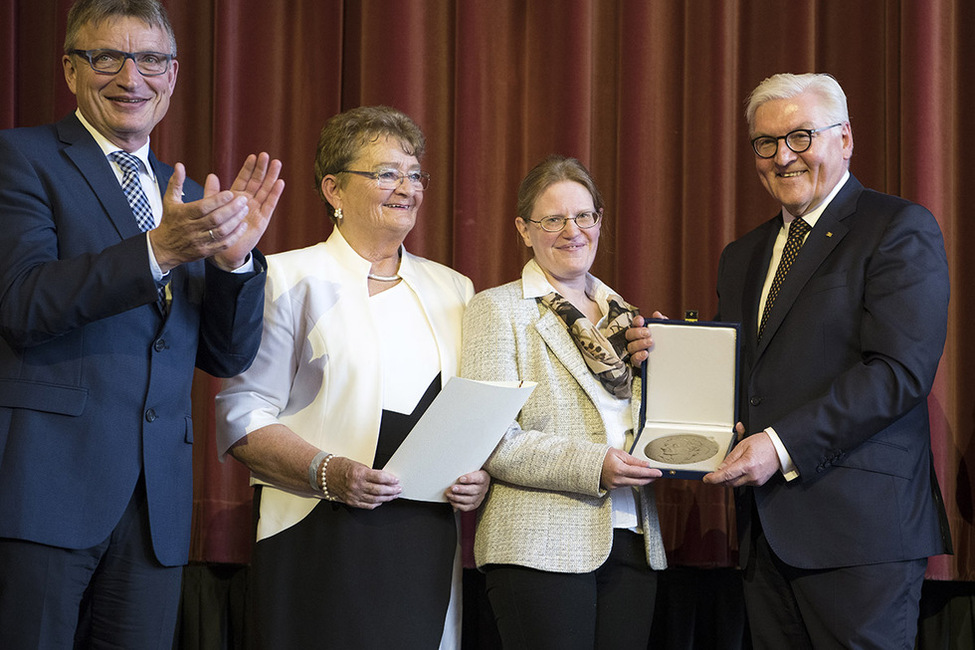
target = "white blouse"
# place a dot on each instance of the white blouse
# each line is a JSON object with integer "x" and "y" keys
{"x": 408, "y": 350}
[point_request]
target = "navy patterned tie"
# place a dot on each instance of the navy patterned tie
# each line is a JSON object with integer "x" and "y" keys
{"x": 797, "y": 230}
{"x": 139, "y": 203}
{"x": 132, "y": 187}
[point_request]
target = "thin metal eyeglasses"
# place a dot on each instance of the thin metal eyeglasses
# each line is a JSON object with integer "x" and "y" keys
{"x": 557, "y": 223}
{"x": 389, "y": 179}
{"x": 149, "y": 64}
{"x": 766, "y": 146}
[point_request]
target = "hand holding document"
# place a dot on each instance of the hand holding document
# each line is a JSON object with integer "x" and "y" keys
{"x": 456, "y": 435}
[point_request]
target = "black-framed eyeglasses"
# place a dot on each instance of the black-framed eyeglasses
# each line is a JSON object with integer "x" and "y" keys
{"x": 390, "y": 179}
{"x": 766, "y": 146}
{"x": 149, "y": 64}
{"x": 556, "y": 223}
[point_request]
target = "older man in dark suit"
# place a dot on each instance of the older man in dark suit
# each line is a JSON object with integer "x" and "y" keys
{"x": 112, "y": 289}
{"x": 841, "y": 349}
{"x": 843, "y": 300}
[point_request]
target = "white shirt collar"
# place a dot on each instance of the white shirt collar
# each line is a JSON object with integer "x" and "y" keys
{"x": 107, "y": 147}
{"x": 813, "y": 215}
{"x": 350, "y": 260}
{"x": 535, "y": 285}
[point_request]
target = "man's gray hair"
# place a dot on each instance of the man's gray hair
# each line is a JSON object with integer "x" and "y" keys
{"x": 84, "y": 12}
{"x": 786, "y": 86}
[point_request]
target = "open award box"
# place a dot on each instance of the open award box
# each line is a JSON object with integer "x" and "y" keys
{"x": 689, "y": 397}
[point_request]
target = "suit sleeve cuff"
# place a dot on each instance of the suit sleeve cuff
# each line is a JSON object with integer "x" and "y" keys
{"x": 788, "y": 468}
{"x": 247, "y": 266}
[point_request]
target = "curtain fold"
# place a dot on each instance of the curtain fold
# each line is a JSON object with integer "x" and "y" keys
{"x": 649, "y": 95}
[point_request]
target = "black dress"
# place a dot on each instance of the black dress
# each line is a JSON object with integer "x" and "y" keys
{"x": 346, "y": 577}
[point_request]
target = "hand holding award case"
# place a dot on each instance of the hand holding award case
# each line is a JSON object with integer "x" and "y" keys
{"x": 689, "y": 401}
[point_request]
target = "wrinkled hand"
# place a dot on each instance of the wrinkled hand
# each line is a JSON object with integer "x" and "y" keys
{"x": 360, "y": 486}
{"x": 753, "y": 461}
{"x": 468, "y": 491}
{"x": 640, "y": 342}
{"x": 223, "y": 225}
{"x": 620, "y": 469}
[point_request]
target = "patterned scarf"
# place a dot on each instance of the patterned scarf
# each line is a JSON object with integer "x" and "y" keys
{"x": 603, "y": 350}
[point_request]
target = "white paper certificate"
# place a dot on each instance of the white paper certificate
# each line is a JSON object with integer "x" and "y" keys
{"x": 456, "y": 435}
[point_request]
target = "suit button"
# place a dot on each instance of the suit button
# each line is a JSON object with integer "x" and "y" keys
{"x": 150, "y": 415}
{"x": 755, "y": 401}
{"x": 159, "y": 345}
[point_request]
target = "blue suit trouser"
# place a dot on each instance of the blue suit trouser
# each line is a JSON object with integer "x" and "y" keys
{"x": 114, "y": 594}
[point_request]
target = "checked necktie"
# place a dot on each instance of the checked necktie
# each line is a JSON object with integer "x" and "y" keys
{"x": 138, "y": 201}
{"x": 133, "y": 189}
{"x": 797, "y": 230}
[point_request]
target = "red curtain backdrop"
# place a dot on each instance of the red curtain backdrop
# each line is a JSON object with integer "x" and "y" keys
{"x": 648, "y": 94}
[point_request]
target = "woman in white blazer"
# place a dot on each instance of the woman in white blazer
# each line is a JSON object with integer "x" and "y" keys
{"x": 568, "y": 535}
{"x": 358, "y": 338}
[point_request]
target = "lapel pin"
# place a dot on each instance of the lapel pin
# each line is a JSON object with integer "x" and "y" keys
{"x": 829, "y": 233}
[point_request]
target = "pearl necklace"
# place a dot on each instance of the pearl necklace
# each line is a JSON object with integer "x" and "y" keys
{"x": 383, "y": 278}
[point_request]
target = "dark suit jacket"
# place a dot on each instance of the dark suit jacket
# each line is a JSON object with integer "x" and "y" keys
{"x": 842, "y": 374}
{"x": 94, "y": 385}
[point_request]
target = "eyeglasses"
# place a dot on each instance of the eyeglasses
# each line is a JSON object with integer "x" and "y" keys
{"x": 557, "y": 224}
{"x": 149, "y": 64}
{"x": 390, "y": 179}
{"x": 766, "y": 146}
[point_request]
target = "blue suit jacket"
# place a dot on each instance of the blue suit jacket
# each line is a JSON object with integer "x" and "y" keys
{"x": 842, "y": 374}
{"x": 94, "y": 385}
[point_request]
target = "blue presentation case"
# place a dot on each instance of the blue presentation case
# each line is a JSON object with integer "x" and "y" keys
{"x": 689, "y": 396}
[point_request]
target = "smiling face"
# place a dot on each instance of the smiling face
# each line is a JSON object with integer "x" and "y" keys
{"x": 123, "y": 107}
{"x": 564, "y": 256}
{"x": 800, "y": 181}
{"x": 370, "y": 214}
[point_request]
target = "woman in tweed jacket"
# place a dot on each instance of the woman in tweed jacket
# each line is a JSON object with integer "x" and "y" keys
{"x": 568, "y": 535}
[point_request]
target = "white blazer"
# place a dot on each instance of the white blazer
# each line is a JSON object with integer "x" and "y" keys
{"x": 318, "y": 371}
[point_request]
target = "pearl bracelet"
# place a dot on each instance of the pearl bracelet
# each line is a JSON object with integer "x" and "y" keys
{"x": 313, "y": 470}
{"x": 324, "y": 478}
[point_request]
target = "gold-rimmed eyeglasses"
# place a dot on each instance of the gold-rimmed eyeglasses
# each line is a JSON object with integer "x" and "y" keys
{"x": 556, "y": 223}
{"x": 390, "y": 179}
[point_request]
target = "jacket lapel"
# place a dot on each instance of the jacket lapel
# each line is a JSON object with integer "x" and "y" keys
{"x": 822, "y": 239}
{"x": 755, "y": 276}
{"x": 92, "y": 164}
{"x": 552, "y": 330}
{"x": 162, "y": 173}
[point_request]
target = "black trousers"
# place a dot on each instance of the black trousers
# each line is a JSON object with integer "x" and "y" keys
{"x": 114, "y": 594}
{"x": 870, "y": 606}
{"x": 609, "y": 608}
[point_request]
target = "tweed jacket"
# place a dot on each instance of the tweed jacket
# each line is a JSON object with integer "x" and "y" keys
{"x": 545, "y": 508}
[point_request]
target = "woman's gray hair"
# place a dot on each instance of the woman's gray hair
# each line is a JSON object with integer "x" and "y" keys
{"x": 786, "y": 86}
{"x": 344, "y": 136}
